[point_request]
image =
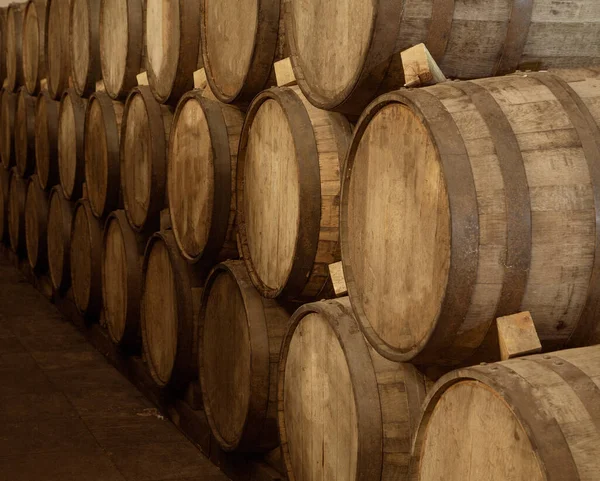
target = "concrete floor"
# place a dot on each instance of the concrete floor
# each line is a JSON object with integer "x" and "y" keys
{"x": 68, "y": 415}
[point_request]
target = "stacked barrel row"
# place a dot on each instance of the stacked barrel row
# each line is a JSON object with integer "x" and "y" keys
{"x": 193, "y": 223}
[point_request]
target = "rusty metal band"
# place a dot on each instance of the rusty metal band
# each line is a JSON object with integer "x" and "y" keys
{"x": 516, "y": 194}
{"x": 464, "y": 213}
{"x": 516, "y": 37}
{"x": 582, "y": 385}
{"x": 589, "y": 135}
{"x": 544, "y": 432}
{"x": 440, "y": 28}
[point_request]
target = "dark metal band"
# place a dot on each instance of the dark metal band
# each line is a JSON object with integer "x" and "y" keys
{"x": 440, "y": 28}
{"x": 516, "y": 37}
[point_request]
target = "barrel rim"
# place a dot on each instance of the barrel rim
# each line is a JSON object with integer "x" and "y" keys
{"x": 222, "y": 191}
{"x": 52, "y": 111}
{"x": 309, "y": 175}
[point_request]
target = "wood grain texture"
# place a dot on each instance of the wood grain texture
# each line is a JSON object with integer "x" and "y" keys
{"x": 14, "y": 46}
{"x": 25, "y": 133}
{"x": 344, "y": 411}
{"x": 145, "y": 134}
{"x": 172, "y": 47}
{"x": 520, "y": 153}
{"x": 16, "y": 213}
{"x": 71, "y": 156}
{"x": 345, "y": 53}
{"x": 122, "y": 53}
{"x": 203, "y": 150}
{"x": 170, "y": 294}
{"x": 517, "y": 336}
{"x": 60, "y": 218}
{"x": 530, "y": 418}
{"x": 46, "y": 140}
{"x": 288, "y": 184}
{"x": 34, "y": 51}
{"x": 36, "y": 226}
{"x": 4, "y": 191}
{"x": 101, "y": 152}
{"x": 240, "y": 341}
{"x": 240, "y": 42}
{"x": 84, "y": 45}
{"x": 58, "y": 58}
{"x": 7, "y": 126}
{"x": 3, "y": 15}
{"x": 86, "y": 260}
{"x": 122, "y": 258}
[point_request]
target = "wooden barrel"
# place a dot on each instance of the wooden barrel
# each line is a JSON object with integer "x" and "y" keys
{"x": 144, "y": 150}
{"x": 46, "y": 140}
{"x": 84, "y": 45}
{"x": 16, "y": 213}
{"x": 201, "y": 177}
{"x": 455, "y": 199}
{"x": 71, "y": 157}
{"x": 58, "y": 57}
{"x": 4, "y": 191}
{"x": 343, "y": 53}
{"x": 534, "y": 418}
{"x": 344, "y": 411}
{"x": 288, "y": 187}
{"x": 240, "y": 341}
{"x": 34, "y": 55}
{"x": 14, "y": 46}
{"x": 86, "y": 260}
{"x": 240, "y": 43}
{"x": 3, "y": 15}
{"x": 7, "y": 128}
{"x": 25, "y": 133}
{"x": 123, "y": 254}
{"x": 36, "y": 226}
{"x": 60, "y": 217}
{"x": 168, "y": 320}
{"x": 102, "y": 164}
{"x": 172, "y": 47}
{"x": 121, "y": 44}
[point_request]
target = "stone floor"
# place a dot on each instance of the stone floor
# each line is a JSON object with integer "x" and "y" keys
{"x": 68, "y": 415}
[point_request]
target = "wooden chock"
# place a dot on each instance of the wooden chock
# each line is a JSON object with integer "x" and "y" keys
{"x": 100, "y": 86}
{"x": 142, "y": 78}
{"x": 517, "y": 336}
{"x": 44, "y": 84}
{"x": 165, "y": 219}
{"x": 337, "y": 279}
{"x": 284, "y": 73}
{"x": 420, "y": 68}
{"x": 200, "y": 81}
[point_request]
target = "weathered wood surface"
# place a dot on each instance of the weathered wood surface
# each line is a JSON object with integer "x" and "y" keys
{"x": 46, "y": 140}
{"x": 345, "y": 412}
{"x": 203, "y": 150}
{"x": 14, "y": 46}
{"x": 58, "y": 57}
{"x": 534, "y": 418}
{"x": 470, "y": 201}
{"x": 346, "y": 52}
{"x": 3, "y": 15}
{"x": 517, "y": 336}
{"x": 71, "y": 156}
{"x": 34, "y": 50}
{"x": 240, "y": 341}
{"x": 36, "y": 226}
{"x": 84, "y": 45}
{"x": 288, "y": 186}
{"x": 24, "y": 132}
{"x": 60, "y": 218}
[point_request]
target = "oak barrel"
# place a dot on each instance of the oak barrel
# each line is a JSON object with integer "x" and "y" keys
{"x": 14, "y": 46}
{"x": 240, "y": 342}
{"x": 288, "y": 187}
{"x": 37, "y": 207}
{"x": 25, "y": 133}
{"x": 344, "y": 52}
{"x": 4, "y": 191}
{"x": 240, "y": 42}
{"x": 168, "y": 313}
{"x": 60, "y": 218}
{"x": 46, "y": 140}
{"x": 16, "y": 213}
{"x": 121, "y": 44}
{"x": 58, "y": 57}
{"x": 7, "y": 128}
{"x": 71, "y": 156}
{"x": 203, "y": 152}
{"x": 345, "y": 412}
{"x": 469, "y": 201}
{"x": 144, "y": 150}
{"x": 172, "y": 47}
{"x": 3, "y": 15}
{"x": 101, "y": 145}
{"x": 123, "y": 253}
{"x": 84, "y": 45}
{"x": 534, "y": 418}
{"x": 34, "y": 54}
{"x": 86, "y": 260}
